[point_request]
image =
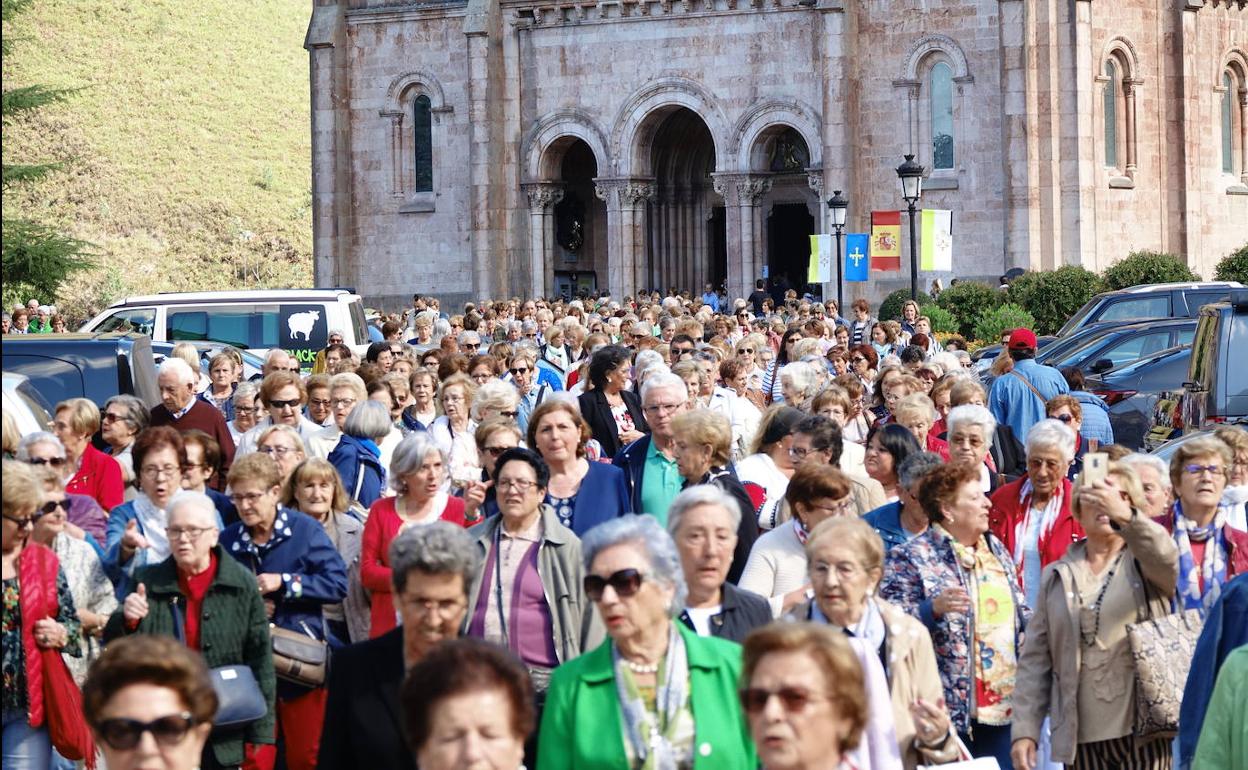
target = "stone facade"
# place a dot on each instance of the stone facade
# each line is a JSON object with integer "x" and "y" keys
{"x": 624, "y": 144}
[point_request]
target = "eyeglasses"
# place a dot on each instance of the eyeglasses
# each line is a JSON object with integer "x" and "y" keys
{"x": 251, "y": 498}
{"x": 22, "y": 523}
{"x": 801, "y": 452}
{"x": 1196, "y": 470}
{"x": 245, "y": 410}
{"x": 858, "y": 360}
{"x": 625, "y": 583}
{"x": 287, "y": 404}
{"x": 111, "y": 417}
{"x": 163, "y": 470}
{"x": 341, "y": 402}
{"x": 190, "y": 533}
{"x": 793, "y": 699}
{"x": 682, "y": 351}
{"x": 280, "y": 451}
{"x": 124, "y": 734}
{"x": 495, "y": 451}
{"x": 662, "y": 408}
{"x": 517, "y": 485}
{"x": 837, "y": 509}
{"x": 322, "y": 402}
{"x": 55, "y": 462}
{"x": 427, "y": 606}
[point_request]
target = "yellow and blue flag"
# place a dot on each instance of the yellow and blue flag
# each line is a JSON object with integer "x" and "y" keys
{"x": 856, "y": 257}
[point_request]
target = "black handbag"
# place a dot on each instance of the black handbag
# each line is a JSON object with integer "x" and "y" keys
{"x": 239, "y": 699}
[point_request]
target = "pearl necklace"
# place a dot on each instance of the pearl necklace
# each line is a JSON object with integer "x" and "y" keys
{"x": 642, "y": 668}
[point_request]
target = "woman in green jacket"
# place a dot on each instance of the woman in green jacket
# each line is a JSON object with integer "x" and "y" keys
{"x": 206, "y": 599}
{"x": 655, "y": 696}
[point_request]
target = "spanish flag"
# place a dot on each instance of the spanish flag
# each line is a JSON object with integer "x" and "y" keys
{"x": 885, "y": 240}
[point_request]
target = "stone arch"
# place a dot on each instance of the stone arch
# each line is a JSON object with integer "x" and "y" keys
{"x": 633, "y": 132}
{"x": 549, "y": 138}
{"x": 932, "y": 44}
{"x": 1235, "y": 60}
{"x": 422, "y": 81}
{"x": 1121, "y": 48}
{"x": 767, "y": 116}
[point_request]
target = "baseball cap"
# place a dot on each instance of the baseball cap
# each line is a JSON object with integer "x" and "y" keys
{"x": 1022, "y": 339}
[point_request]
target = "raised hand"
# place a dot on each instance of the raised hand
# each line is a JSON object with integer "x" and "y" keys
{"x": 134, "y": 608}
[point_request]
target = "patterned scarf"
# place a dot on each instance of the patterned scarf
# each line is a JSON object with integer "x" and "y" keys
{"x": 651, "y": 734}
{"x": 1048, "y": 518}
{"x": 1212, "y": 567}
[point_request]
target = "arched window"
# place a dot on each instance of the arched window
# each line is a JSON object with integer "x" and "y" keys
{"x": 1228, "y": 123}
{"x": 941, "y": 97}
{"x": 422, "y": 142}
{"x": 1112, "y": 90}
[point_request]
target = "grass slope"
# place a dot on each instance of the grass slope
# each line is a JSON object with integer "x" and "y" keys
{"x": 186, "y": 150}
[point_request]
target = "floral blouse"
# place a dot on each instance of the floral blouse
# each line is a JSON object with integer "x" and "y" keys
{"x": 91, "y": 590}
{"x": 14, "y": 666}
{"x": 995, "y": 655}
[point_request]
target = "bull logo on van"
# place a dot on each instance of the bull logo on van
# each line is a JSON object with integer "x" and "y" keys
{"x": 302, "y": 323}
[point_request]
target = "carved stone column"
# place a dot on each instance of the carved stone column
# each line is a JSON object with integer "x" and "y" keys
{"x": 608, "y": 191}
{"x": 749, "y": 190}
{"x": 542, "y": 199}
{"x": 1243, "y": 134}
{"x": 1129, "y": 89}
{"x": 725, "y": 185}
{"x": 634, "y": 196}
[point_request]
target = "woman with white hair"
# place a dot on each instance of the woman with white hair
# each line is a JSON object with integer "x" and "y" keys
{"x": 495, "y": 398}
{"x": 283, "y": 444}
{"x": 246, "y": 410}
{"x": 123, "y": 418}
{"x": 85, "y": 516}
{"x": 358, "y": 457}
{"x": 1032, "y": 516}
{"x": 970, "y": 430}
{"x": 1154, "y": 477}
{"x": 799, "y": 381}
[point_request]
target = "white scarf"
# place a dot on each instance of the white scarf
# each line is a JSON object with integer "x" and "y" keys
{"x": 152, "y": 523}
{"x": 1048, "y": 517}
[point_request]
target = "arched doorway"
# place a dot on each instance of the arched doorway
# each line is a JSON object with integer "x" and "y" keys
{"x": 790, "y": 209}
{"x": 580, "y": 249}
{"x": 686, "y": 245}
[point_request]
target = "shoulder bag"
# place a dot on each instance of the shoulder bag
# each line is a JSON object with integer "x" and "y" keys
{"x": 299, "y": 658}
{"x": 239, "y": 700}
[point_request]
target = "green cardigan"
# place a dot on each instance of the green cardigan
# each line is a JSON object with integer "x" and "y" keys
{"x": 581, "y": 726}
{"x": 234, "y": 630}
{"x": 1224, "y": 737}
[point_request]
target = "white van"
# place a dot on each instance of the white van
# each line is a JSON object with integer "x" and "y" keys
{"x": 297, "y": 320}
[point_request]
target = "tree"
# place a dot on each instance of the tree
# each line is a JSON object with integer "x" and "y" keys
{"x": 995, "y": 321}
{"x": 1234, "y": 266}
{"x": 967, "y": 301}
{"x": 1142, "y": 267}
{"x": 37, "y": 257}
{"x": 1054, "y": 296}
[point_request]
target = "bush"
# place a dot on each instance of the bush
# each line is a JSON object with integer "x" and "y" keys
{"x": 890, "y": 308}
{"x": 967, "y": 301}
{"x": 1234, "y": 266}
{"x": 997, "y": 320}
{"x": 942, "y": 320}
{"x": 1054, "y": 296}
{"x": 1147, "y": 267}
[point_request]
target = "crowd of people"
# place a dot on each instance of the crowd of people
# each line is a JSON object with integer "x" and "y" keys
{"x": 658, "y": 533}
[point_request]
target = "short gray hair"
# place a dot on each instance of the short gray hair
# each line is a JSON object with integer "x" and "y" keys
{"x": 286, "y": 430}
{"x": 409, "y": 455}
{"x": 803, "y": 375}
{"x": 701, "y": 494}
{"x": 38, "y": 437}
{"x": 248, "y": 390}
{"x": 916, "y": 466}
{"x": 1051, "y": 434}
{"x": 368, "y": 419}
{"x": 663, "y": 381}
{"x": 197, "y": 500}
{"x": 134, "y": 413}
{"x": 440, "y": 548}
{"x": 494, "y": 394}
{"x": 1138, "y": 460}
{"x": 973, "y": 414}
{"x": 660, "y": 549}
{"x": 179, "y": 368}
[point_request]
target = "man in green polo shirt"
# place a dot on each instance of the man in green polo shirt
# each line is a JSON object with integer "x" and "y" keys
{"x": 663, "y": 396}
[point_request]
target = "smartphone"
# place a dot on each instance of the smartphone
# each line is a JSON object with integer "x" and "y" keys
{"x": 1095, "y": 467}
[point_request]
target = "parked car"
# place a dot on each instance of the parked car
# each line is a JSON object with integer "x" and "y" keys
{"x": 1167, "y": 449}
{"x": 1099, "y": 348}
{"x": 299, "y": 321}
{"x": 1215, "y": 389}
{"x": 94, "y": 366}
{"x": 29, "y": 410}
{"x": 1132, "y": 392}
{"x": 984, "y": 356}
{"x": 1153, "y": 300}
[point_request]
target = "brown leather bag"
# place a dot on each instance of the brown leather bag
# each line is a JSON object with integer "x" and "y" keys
{"x": 299, "y": 658}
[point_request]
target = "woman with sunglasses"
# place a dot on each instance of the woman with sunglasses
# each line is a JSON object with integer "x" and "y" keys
{"x": 494, "y": 436}
{"x": 1067, "y": 410}
{"x": 863, "y": 364}
{"x": 44, "y": 450}
{"x": 656, "y": 694}
{"x": 150, "y": 703}
{"x": 123, "y": 419}
{"x": 32, "y": 624}
{"x": 771, "y": 379}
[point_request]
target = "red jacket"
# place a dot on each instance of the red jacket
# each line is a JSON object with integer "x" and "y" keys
{"x": 1007, "y": 513}
{"x": 98, "y": 477}
{"x": 1236, "y": 545}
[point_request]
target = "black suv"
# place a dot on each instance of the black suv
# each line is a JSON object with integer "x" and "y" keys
{"x": 1148, "y": 301}
{"x": 94, "y": 366}
{"x": 1216, "y": 389}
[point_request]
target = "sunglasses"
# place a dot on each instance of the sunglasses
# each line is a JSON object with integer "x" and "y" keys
{"x": 21, "y": 523}
{"x": 519, "y": 370}
{"x": 625, "y": 583}
{"x": 124, "y": 734}
{"x": 794, "y": 699}
{"x": 495, "y": 451}
{"x": 288, "y": 404}
{"x": 49, "y": 508}
{"x": 55, "y": 462}
{"x": 1064, "y": 418}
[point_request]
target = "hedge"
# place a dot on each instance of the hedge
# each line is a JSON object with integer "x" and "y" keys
{"x": 942, "y": 320}
{"x": 1147, "y": 267}
{"x": 967, "y": 301}
{"x": 1234, "y": 266}
{"x": 997, "y": 320}
{"x": 1054, "y": 296}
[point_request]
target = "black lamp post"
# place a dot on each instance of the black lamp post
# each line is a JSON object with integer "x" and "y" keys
{"x": 911, "y": 175}
{"x": 838, "y": 205}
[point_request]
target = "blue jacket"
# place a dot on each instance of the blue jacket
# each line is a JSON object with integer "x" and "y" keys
{"x": 886, "y": 520}
{"x": 225, "y": 506}
{"x": 1095, "y": 417}
{"x": 118, "y": 572}
{"x": 603, "y": 496}
{"x": 227, "y": 408}
{"x": 411, "y": 423}
{"x": 632, "y": 460}
{"x": 1226, "y": 628}
{"x": 354, "y": 456}
{"x": 1013, "y": 403}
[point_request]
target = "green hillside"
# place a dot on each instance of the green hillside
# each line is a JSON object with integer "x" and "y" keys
{"x": 187, "y": 148}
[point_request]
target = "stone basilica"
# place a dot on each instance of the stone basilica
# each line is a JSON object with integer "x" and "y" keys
{"x": 487, "y": 148}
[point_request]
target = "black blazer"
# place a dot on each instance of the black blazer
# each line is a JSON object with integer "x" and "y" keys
{"x": 597, "y": 412}
{"x": 742, "y": 612}
{"x": 363, "y": 718}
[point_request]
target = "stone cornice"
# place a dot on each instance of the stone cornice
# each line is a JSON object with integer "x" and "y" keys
{"x": 544, "y": 13}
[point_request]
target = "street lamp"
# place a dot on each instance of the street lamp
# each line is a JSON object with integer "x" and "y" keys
{"x": 911, "y": 174}
{"x": 838, "y": 205}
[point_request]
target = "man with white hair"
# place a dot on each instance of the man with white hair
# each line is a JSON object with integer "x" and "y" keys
{"x": 649, "y": 463}
{"x": 278, "y": 360}
{"x": 181, "y": 410}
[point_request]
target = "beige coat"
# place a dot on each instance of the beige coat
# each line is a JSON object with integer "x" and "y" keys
{"x": 1048, "y": 670}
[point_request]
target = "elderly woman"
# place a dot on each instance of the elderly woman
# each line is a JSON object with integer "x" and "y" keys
{"x": 1007, "y": 452}
{"x": 769, "y": 464}
{"x": 1154, "y": 475}
{"x": 846, "y": 562}
{"x": 961, "y": 582}
{"x": 597, "y": 714}
{"x": 581, "y": 493}
{"x": 453, "y": 431}
{"x": 418, "y": 476}
{"x": 702, "y": 445}
{"x": 422, "y": 384}
{"x": 44, "y": 450}
{"x": 88, "y": 583}
{"x": 1067, "y": 410}
{"x": 496, "y": 398}
{"x": 358, "y": 456}
{"x": 123, "y": 419}
{"x": 149, "y": 699}
{"x": 283, "y": 395}
{"x": 800, "y": 721}
{"x": 749, "y": 351}
{"x": 282, "y": 443}
{"x": 612, "y": 411}
{"x": 528, "y": 596}
{"x": 433, "y": 566}
{"x": 95, "y": 474}
{"x": 703, "y": 521}
{"x": 493, "y": 437}
{"x": 1031, "y": 516}
{"x": 1076, "y": 665}
{"x": 39, "y": 614}
{"x": 444, "y": 696}
{"x": 346, "y": 389}
{"x": 776, "y": 568}
{"x": 970, "y": 430}
{"x": 246, "y": 410}
{"x": 888, "y": 446}
{"x": 298, "y": 572}
{"x": 314, "y": 488}
{"x": 1211, "y": 552}
{"x": 917, "y": 414}
{"x": 800, "y": 383}
{"x": 223, "y": 380}
{"x": 199, "y": 583}
{"x": 1235, "y": 494}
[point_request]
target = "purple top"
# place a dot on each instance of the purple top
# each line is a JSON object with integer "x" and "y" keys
{"x": 83, "y": 511}
{"x": 530, "y": 626}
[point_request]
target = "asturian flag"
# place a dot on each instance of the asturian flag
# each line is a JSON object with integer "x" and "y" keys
{"x": 856, "y": 257}
{"x": 936, "y": 252}
{"x": 885, "y": 240}
{"x": 820, "y": 269}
